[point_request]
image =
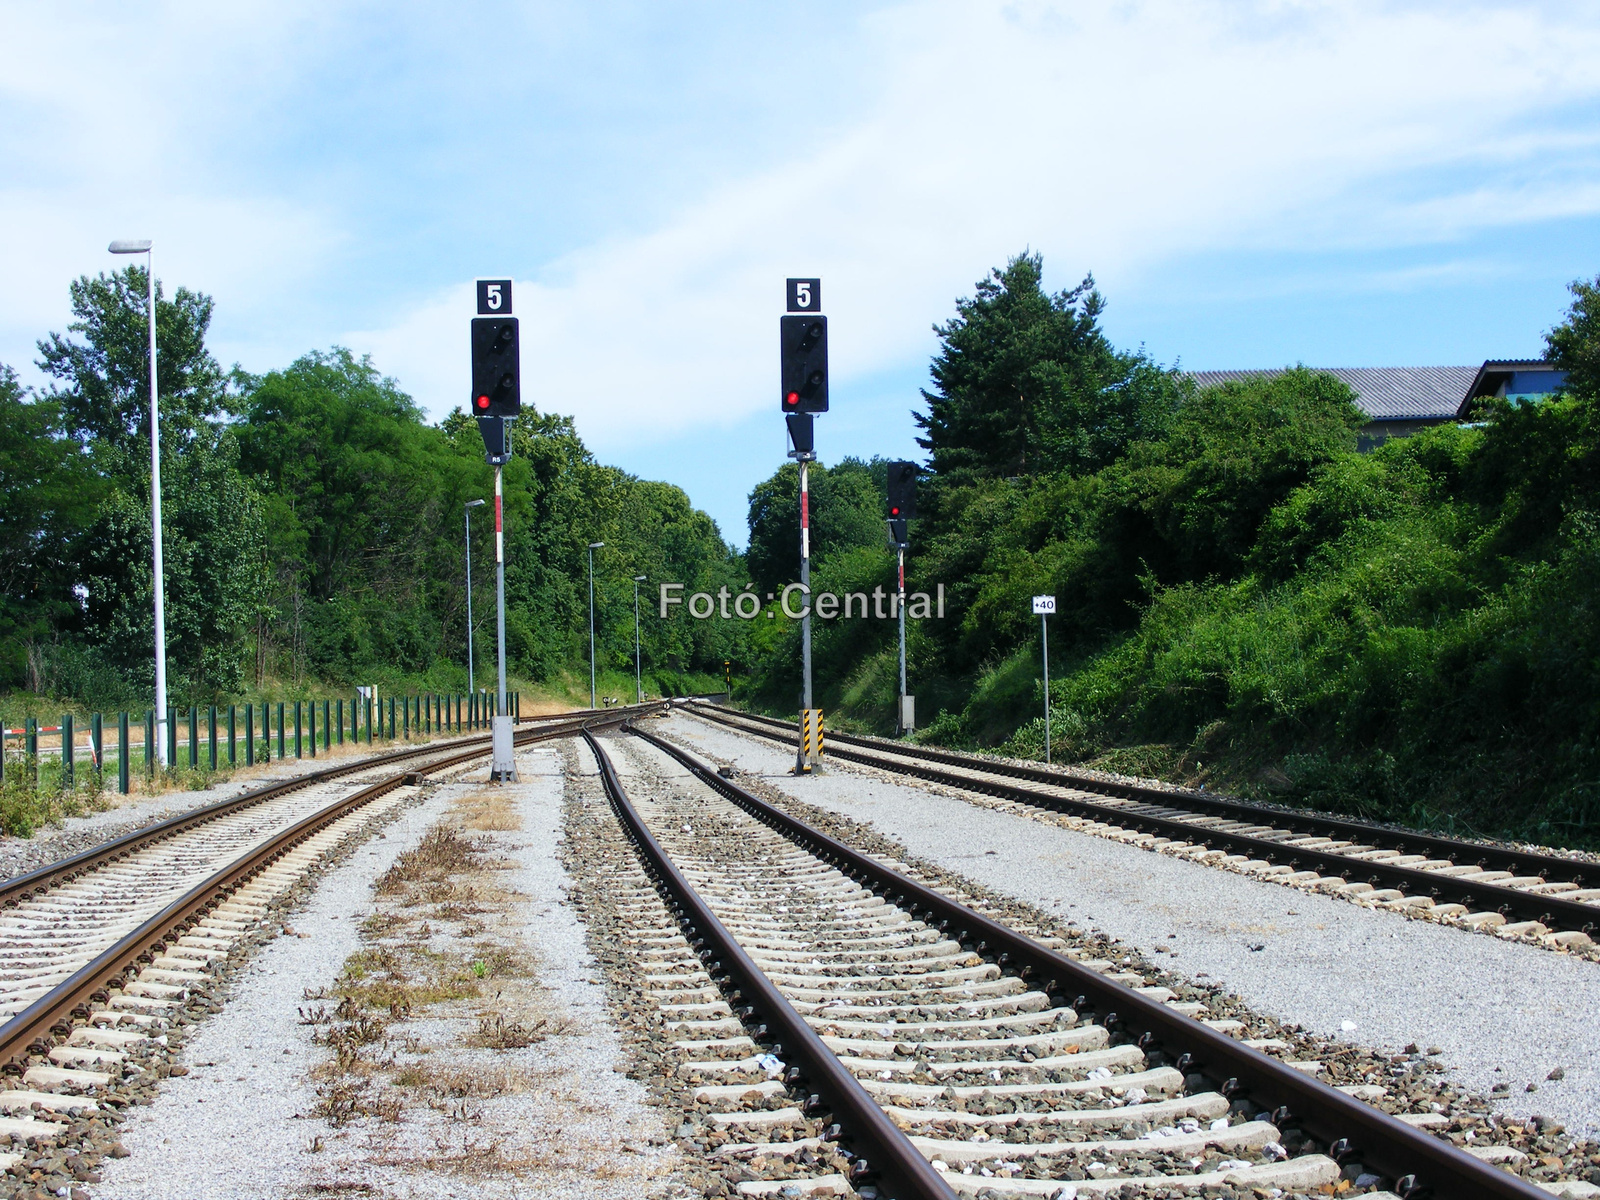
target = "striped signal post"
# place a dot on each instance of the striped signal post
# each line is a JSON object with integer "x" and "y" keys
{"x": 902, "y": 496}
{"x": 496, "y": 402}
{"x": 803, "y": 392}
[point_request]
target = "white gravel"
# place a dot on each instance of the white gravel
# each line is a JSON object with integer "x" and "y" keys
{"x": 128, "y": 813}
{"x": 233, "y": 1129}
{"x": 1501, "y": 1011}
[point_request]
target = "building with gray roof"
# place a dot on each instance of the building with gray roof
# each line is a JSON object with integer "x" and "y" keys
{"x": 1398, "y": 401}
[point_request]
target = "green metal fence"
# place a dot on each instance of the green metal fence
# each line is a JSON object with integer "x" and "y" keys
{"x": 224, "y": 737}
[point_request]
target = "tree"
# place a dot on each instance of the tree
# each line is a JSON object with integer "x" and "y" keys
{"x": 1027, "y": 382}
{"x": 50, "y": 496}
{"x": 106, "y": 400}
{"x": 1540, "y": 464}
{"x": 363, "y": 502}
{"x": 211, "y": 514}
{"x": 212, "y": 530}
{"x": 847, "y": 511}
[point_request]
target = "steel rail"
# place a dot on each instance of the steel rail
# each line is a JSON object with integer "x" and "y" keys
{"x": 1419, "y": 1163}
{"x": 32, "y": 1030}
{"x": 1552, "y": 911}
{"x": 1380, "y": 837}
{"x": 22, "y": 887}
{"x": 885, "y": 1163}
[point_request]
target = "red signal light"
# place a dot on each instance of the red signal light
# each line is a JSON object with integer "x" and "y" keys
{"x": 895, "y": 511}
{"x": 483, "y": 402}
{"x": 792, "y": 399}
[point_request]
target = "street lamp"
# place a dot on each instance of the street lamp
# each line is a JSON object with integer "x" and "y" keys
{"x": 593, "y": 546}
{"x": 142, "y": 246}
{"x": 467, "y": 509}
{"x": 638, "y": 678}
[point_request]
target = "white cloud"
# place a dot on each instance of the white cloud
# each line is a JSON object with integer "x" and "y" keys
{"x": 1110, "y": 136}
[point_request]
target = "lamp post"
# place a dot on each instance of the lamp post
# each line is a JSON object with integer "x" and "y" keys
{"x": 467, "y": 509}
{"x": 593, "y": 546}
{"x": 142, "y": 246}
{"x": 638, "y": 675}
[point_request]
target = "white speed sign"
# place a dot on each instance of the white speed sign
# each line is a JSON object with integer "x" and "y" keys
{"x": 1044, "y": 605}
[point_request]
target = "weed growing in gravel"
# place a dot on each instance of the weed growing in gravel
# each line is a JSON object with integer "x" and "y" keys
{"x": 496, "y": 1033}
{"x": 344, "y": 1100}
{"x": 442, "y": 852}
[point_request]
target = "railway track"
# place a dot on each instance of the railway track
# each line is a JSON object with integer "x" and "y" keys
{"x": 1511, "y": 892}
{"x": 844, "y": 1027}
{"x": 99, "y": 953}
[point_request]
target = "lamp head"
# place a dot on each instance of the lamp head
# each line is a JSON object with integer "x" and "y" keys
{"x": 595, "y": 545}
{"x": 475, "y": 503}
{"x": 130, "y": 246}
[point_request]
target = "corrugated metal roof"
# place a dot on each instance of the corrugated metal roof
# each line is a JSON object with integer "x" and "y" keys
{"x": 1383, "y": 393}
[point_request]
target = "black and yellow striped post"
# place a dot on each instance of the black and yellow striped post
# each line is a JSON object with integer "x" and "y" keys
{"x": 810, "y": 740}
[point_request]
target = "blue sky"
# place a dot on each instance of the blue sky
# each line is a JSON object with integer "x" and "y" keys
{"x": 1353, "y": 184}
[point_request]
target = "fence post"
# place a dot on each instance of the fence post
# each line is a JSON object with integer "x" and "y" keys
{"x": 31, "y": 744}
{"x": 366, "y": 713}
{"x": 122, "y": 753}
{"x": 282, "y": 750}
{"x": 172, "y": 737}
{"x": 341, "y": 720}
{"x": 297, "y": 719}
{"x": 311, "y": 724}
{"x": 233, "y": 735}
{"x": 327, "y": 725}
{"x": 97, "y": 744}
{"x": 211, "y": 736}
{"x": 67, "y": 749}
{"x": 194, "y": 735}
{"x": 149, "y": 741}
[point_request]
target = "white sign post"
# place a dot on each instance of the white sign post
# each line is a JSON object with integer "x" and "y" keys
{"x": 1044, "y": 606}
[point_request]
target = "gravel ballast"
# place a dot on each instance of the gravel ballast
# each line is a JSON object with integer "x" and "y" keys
{"x": 1502, "y": 1013}
{"x": 241, "y": 1124}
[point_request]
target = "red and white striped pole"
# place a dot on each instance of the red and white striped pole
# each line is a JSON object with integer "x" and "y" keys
{"x": 500, "y": 590}
{"x": 803, "y": 760}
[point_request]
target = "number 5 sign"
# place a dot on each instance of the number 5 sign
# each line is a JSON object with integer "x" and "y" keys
{"x": 494, "y": 297}
{"x": 1044, "y": 606}
{"x": 805, "y": 295}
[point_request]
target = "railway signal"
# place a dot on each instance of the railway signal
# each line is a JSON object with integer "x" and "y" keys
{"x": 902, "y": 499}
{"x": 902, "y": 489}
{"x": 496, "y": 367}
{"x": 805, "y": 363}
{"x": 496, "y": 400}
{"x": 803, "y": 380}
